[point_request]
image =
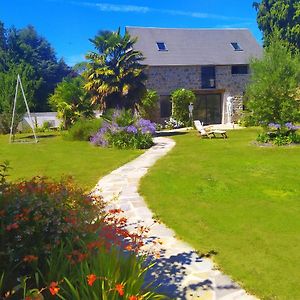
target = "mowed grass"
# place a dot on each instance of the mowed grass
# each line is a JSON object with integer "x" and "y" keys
{"x": 238, "y": 199}
{"x": 55, "y": 157}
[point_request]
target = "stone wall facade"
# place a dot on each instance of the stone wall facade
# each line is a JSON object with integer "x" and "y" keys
{"x": 166, "y": 79}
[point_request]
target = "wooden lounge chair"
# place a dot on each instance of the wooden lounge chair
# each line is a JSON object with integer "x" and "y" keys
{"x": 208, "y": 131}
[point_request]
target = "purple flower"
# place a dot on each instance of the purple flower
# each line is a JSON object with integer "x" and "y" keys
{"x": 290, "y": 126}
{"x": 131, "y": 129}
{"x": 275, "y": 125}
{"x": 146, "y": 126}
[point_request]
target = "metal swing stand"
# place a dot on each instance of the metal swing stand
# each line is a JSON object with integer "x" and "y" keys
{"x": 12, "y": 136}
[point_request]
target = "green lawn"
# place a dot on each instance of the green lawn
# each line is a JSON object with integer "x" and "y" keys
{"x": 55, "y": 157}
{"x": 238, "y": 199}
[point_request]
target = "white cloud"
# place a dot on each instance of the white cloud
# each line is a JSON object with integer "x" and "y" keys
{"x": 114, "y": 7}
{"x": 145, "y": 9}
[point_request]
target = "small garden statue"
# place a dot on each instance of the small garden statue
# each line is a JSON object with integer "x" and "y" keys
{"x": 229, "y": 109}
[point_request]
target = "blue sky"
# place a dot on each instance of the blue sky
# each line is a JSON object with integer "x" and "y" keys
{"x": 68, "y": 24}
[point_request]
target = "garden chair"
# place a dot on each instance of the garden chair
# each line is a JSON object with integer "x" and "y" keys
{"x": 208, "y": 131}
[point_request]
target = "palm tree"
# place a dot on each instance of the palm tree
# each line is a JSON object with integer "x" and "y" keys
{"x": 114, "y": 75}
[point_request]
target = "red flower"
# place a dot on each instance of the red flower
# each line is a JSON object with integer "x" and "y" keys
{"x": 30, "y": 258}
{"x": 120, "y": 288}
{"x": 12, "y": 226}
{"x": 115, "y": 211}
{"x": 132, "y": 297}
{"x": 91, "y": 279}
{"x": 53, "y": 288}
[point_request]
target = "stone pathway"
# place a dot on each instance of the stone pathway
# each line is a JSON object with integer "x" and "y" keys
{"x": 179, "y": 271}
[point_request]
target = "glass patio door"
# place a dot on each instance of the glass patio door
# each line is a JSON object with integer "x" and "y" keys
{"x": 207, "y": 109}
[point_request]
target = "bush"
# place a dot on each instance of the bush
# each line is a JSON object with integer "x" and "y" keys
{"x": 263, "y": 138}
{"x": 38, "y": 214}
{"x": 83, "y": 129}
{"x": 125, "y": 131}
{"x": 57, "y": 240}
{"x": 71, "y": 101}
{"x": 247, "y": 120}
{"x": 148, "y": 106}
{"x": 181, "y": 99}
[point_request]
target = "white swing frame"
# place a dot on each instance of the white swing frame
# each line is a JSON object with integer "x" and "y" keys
{"x": 11, "y": 135}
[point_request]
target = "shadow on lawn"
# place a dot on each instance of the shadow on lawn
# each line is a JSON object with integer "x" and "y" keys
{"x": 169, "y": 273}
{"x": 39, "y": 136}
{"x": 170, "y": 133}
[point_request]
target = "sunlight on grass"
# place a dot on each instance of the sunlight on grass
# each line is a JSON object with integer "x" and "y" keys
{"x": 55, "y": 157}
{"x": 237, "y": 199}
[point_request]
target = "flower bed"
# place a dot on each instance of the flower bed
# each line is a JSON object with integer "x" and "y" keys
{"x": 280, "y": 134}
{"x": 124, "y": 133}
{"x": 57, "y": 241}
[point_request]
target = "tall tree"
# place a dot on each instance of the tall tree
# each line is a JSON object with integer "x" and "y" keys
{"x": 273, "y": 89}
{"x": 282, "y": 16}
{"x": 26, "y": 46}
{"x": 2, "y": 36}
{"x": 114, "y": 74}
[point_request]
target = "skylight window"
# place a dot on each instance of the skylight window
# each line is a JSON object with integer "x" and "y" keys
{"x": 161, "y": 46}
{"x": 236, "y": 46}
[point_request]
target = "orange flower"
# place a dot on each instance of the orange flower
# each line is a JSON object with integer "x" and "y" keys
{"x": 115, "y": 211}
{"x": 29, "y": 258}
{"x": 128, "y": 248}
{"x": 91, "y": 279}
{"x": 120, "y": 289}
{"x": 12, "y": 226}
{"x": 132, "y": 297}
{"x": 53, "y": 288}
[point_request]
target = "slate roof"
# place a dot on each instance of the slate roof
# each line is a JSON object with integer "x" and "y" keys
{"x": 195, "y": 46}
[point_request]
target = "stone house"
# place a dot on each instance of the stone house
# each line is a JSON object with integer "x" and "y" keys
{"x": 214, "y": 63}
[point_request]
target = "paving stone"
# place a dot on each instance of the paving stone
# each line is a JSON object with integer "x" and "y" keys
{"x": 179, "y": 272}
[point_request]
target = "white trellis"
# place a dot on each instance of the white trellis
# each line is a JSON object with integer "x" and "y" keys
{"x": 11, "y": 136}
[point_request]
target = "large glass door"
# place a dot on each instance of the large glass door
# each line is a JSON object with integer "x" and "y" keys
{"x": 208, "y": 109}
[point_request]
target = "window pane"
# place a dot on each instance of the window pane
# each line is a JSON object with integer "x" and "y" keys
{"x": 208, "y": 77}
{"x": 236, "y": 46}
{"x": 165, "y": 107}
{"x": 161, "y": 46}
{"x": 239, "y": 69}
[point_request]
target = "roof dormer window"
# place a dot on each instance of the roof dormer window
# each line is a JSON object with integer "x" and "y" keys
{"x": 161, "y": 46}
{"x": 236, "y": 46}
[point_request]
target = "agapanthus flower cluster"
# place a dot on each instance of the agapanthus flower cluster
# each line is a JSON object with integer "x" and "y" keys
{"x": 288, "y": 125}
{"x": 137, "y": 134}
{"x": 274, "y": 125}
{"x": 291, "y": 126}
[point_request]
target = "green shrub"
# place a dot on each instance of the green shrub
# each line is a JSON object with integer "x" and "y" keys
{"x": 247, "y": 120}
{"x": 83, "y": 129}
{"x": 181, "y": 99}
{"x": 263, "y": 138}
{"x": 71, "y": 101}
{"x": 149, "y": 105}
